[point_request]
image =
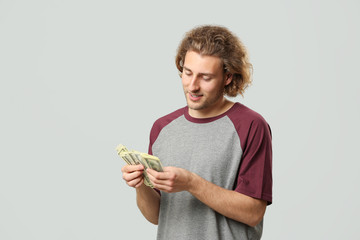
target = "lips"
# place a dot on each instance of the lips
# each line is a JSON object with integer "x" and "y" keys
{"x": 195, "y": 97}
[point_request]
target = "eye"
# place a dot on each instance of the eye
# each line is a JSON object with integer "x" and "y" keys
{"x": 206, "y": 78}
{"x": 187, "y": 73}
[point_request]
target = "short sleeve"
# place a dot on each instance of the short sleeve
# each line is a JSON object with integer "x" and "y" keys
{"x": 255, "y": 170}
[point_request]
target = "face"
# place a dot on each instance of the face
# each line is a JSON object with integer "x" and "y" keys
{"x": 203, "y": 80}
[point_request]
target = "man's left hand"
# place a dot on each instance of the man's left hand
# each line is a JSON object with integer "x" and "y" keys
{"x": 171, "y": 180}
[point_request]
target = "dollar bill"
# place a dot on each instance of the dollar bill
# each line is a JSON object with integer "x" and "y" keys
{"x": 147, "y": 181}
{"x": 121, "y": 148}
{"x": 136, "y": 157}
{"x": 133, "y": 158}
{"x": 140, "y": 158}
{"x": 127, "y": 158}
{"x": 153, "y": 162}
{"x": 122, "y": 152}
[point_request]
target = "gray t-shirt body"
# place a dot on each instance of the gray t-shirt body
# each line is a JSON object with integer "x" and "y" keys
{"x": 214, "y": 149}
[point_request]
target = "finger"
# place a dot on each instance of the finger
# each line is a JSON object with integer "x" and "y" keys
{"x": 132, "y": 168}
{"x": 134, "y": 182}
{"x": 158, "y": 181}
{"x": 160, "y": 175}
{"x": 140, "y": 183}
{"x": 132, "y": 175}
{"x": 168, "y": 169}
{"x": 163, "y": 187}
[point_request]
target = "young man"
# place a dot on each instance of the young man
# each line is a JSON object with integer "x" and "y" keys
{"x": 218, "y": 179}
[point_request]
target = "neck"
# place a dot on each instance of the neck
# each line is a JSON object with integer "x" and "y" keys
{"x": 219, "y": 108}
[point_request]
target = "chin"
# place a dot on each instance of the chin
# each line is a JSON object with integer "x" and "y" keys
{"x": 196, "y": 106}
{"x": 199, "y": 105}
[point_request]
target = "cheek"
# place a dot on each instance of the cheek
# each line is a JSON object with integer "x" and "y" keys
{"x": 211, "y": 87}
{"x": 184, "y": 84}
{"x": 185, "y": 80}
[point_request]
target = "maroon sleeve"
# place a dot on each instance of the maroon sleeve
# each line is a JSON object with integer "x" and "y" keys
{"x": 255, "y": 171}
{"x": 160, "y": 123}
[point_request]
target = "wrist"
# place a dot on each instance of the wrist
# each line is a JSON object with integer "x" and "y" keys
{"x": 192, "y": 182}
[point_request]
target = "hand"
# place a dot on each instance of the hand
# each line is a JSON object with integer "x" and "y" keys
{"x": 133, "y": 175}
{"x": 171, "y": 180}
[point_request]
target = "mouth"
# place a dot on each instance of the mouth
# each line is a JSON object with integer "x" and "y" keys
{"x": 194, "y": 97}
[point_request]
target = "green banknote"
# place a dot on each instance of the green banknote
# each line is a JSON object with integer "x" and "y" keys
{"x": 136, "y": 157}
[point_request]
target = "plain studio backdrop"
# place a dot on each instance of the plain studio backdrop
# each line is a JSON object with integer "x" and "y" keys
{"x": 80, "y": 77}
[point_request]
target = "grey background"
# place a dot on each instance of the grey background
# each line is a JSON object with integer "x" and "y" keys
{"x": 80, "y": 77}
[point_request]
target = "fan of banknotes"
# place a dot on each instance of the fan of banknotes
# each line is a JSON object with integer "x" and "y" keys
{"x": 135, "y": 157}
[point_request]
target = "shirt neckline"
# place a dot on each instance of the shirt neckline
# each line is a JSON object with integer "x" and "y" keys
{"x": 210, "y": 119}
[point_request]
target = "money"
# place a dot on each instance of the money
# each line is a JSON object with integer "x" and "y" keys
{"x": 121, "y": 148}
{"x": 136, "y": 157}
{"x": 127, "y": 158}
{"x": 153, "y": 162}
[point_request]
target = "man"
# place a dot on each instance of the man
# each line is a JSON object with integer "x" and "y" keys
{"x": 218, "y": 179}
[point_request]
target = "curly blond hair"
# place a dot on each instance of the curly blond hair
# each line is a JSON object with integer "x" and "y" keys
{"x": 218, "y": 41}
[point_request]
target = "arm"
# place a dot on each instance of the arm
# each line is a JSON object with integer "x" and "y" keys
{"x": 148, "y": 200}
{"x": 229, "y": 203}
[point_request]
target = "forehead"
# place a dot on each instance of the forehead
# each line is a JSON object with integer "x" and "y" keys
{"x": 202, "y": 63}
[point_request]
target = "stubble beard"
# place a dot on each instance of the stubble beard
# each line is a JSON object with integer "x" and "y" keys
{"x": 208, "y": 102}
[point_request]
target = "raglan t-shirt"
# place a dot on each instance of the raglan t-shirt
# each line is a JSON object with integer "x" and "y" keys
{"x": 232, "y": 150}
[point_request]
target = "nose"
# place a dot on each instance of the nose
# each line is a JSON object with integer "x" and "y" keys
{"x": 194, "y": 84}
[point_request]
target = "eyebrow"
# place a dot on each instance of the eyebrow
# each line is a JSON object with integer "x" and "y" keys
{"x": 206, "y": 74}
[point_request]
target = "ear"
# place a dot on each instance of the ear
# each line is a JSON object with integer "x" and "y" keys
{"x": 228, "y": 78}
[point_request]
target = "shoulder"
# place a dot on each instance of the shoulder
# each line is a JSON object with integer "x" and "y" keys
{"x": 161, "y": 122}
{"x": 249, "y": 125}
{"x": 165, "y": 120}
{"x": 244, "y": 116}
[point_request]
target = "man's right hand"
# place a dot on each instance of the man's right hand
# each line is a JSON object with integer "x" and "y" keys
{"x": 133, "y": 175}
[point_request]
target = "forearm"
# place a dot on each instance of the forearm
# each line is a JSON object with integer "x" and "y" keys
{"x": 148, "y": 201}
{"x": 229, "y": 203}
